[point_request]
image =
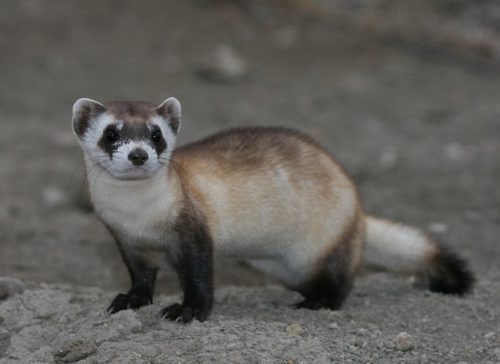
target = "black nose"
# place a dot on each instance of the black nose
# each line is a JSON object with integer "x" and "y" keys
{"x": 138, "y": 156}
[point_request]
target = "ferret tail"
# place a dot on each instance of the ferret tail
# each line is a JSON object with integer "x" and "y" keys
{"x": 400, "y": 248}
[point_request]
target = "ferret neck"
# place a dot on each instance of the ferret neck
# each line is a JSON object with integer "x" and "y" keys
{"x": 165, "y": 181}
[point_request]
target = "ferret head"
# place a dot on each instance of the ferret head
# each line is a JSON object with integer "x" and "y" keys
{"x": 129, "y": 140}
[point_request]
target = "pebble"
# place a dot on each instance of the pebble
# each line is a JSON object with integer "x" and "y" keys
{"x": 53, "y": 196}
{"x": 489, "y": 335}
{"x": 457, "y": 152}
{"x": 223, "y": 66}
{"x": 404, "y": 341}
{"x": 388, "y": 157}
{"x": 497, "y": 353}
{"x": 361, "y": 332}
{"x": 438, "y": 228}
{"x": 295, "y": 329}
{"x": 424, "y": 359}
{"x": 75, "y": 351}
{"x": 9, "y": 287}
{"x": 454, "y": 151}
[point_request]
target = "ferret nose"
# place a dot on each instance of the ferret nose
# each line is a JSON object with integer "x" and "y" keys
{"x": 138, "y": 156}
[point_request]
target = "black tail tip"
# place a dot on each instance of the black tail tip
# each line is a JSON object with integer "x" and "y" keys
{"x": 450, "y": 273}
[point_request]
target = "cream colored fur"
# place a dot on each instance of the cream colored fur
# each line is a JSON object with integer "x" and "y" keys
{"x": 263, "y": 218}
{"x": 134, "y": 208}
{"x": 397, "y": 247}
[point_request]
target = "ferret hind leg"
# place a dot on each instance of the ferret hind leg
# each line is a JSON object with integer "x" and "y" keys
{"x": 331, "y": 276}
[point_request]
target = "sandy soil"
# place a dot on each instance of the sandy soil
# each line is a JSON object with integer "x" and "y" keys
{"x": 418, "y": 131}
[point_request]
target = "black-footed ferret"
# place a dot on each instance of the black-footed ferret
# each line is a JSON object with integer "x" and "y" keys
{"x": 271, "y": 196}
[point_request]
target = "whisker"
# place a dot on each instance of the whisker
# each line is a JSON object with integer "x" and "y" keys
{"x": 70, "y": 180}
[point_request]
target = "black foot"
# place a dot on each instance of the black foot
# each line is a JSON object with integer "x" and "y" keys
{"x": 183, "y": 313}
{"x": 314, "y": 305}
{"x": 128, "y": 300}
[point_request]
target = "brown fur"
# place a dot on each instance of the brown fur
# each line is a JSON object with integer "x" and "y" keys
{"x": 131, "y": 111}
{"x": 334, "y": 274}
{"x": 82, "y": 118}
{"x": 236, "y": 153}
{"x": 354, "y": 238}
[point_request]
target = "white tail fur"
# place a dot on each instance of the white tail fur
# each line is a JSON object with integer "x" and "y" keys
{"x": 405, "y": 249}
{"x": 396, "y": 247}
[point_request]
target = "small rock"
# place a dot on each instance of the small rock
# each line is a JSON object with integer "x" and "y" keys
{"x": 53, "y": 196}
{"x": 74, "y": 351}
{"x": 4, "y": 342}
{"x": 333, "y": 326}
{"x": 437, "y": 228}
{"x": 454, "y": 151}
{"x": 424, "y": 359}
{"x": 295, "y": 329}
{"x": 497, "y": 353}
{"x": 9, "y": 287}
{"x": 404, "y": 341}
{"x": 361, "y": 332}
{"x": 457, "y": 152}
{"x": 489, "y": 335}
{"x": 388, "y": 158}
{"x": 224, "y": 66}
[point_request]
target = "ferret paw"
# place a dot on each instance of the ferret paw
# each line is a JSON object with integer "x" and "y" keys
{"x": 183, "y": 313}
{"x": 125, "y": 301}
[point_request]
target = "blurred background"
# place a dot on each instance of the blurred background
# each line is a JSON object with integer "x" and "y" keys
{"x": 406, "y": 94}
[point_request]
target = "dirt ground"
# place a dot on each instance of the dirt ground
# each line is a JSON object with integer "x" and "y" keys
{"x": 415, "y": 121}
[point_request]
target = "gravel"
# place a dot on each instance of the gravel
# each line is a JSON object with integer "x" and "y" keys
{"x": 58, "y": 323}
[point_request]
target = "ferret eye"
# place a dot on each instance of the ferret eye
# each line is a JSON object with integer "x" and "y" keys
{"x": 156, "y": 136}
{"x": 111, "y": 135}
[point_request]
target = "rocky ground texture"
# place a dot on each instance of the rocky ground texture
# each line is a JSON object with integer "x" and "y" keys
{"x": 391, "y": 324}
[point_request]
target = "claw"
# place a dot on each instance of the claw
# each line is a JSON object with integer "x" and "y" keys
{"x": 118, "y": 304}
{"x": 124, "y": 301}
{"x": 181, "y": 313}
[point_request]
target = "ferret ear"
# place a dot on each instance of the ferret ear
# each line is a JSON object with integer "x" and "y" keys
{"x": 170, "y": 109}
{"x": 85, "y": 110}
